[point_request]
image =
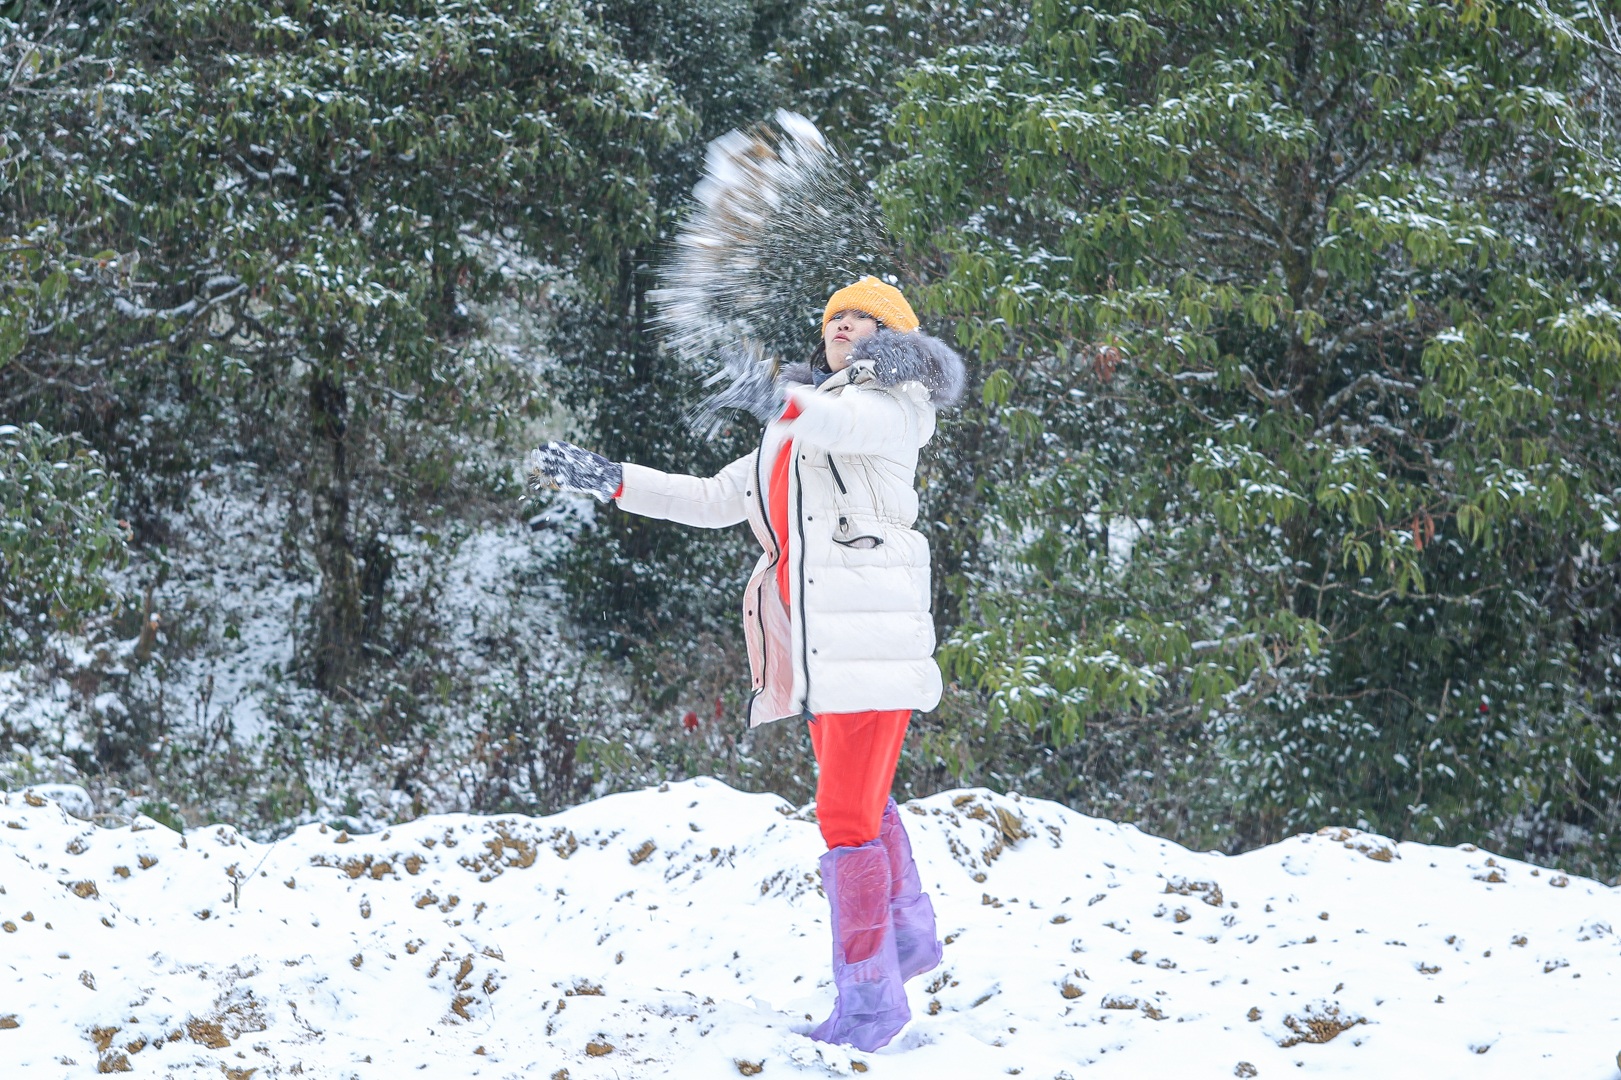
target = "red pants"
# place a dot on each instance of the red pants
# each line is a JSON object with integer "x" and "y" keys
{"x": 856, "y": 754}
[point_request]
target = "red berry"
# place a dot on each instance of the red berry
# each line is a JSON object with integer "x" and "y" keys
{"x": 690, "y": 721}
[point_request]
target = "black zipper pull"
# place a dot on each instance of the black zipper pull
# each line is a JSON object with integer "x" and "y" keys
{"x": 837, "y": 479}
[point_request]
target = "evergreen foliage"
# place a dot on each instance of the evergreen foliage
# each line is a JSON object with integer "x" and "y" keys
{"x": 1309, "y": 344}
{"x": 1287, "y": 495}
{"x": 296, "y": 204}
{"x": 58, "y": 535}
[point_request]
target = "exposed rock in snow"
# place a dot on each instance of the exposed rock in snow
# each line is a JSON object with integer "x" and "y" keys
{"x": 680, "y": 932}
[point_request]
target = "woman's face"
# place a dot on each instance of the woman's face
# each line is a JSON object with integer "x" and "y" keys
{"x": 842, "y": 332}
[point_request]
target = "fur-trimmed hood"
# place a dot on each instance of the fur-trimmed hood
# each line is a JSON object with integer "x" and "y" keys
{"x": 896, "y": 358}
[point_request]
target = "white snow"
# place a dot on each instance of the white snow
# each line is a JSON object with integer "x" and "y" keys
{"x": 680, "y": 932}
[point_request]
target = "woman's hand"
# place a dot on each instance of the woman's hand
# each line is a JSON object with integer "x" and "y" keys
{"x": 570, "y": 468}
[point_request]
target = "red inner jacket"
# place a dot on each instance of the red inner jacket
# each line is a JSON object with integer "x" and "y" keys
{"x": 777, "y": 504}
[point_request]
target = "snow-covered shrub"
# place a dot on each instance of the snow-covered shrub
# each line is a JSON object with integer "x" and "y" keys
{"x": 59, "y": 535}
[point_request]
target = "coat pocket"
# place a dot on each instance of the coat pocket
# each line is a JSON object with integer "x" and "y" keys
{"x": 854, "y": 534}
{"x": 861, "y": 542}
{"x": 847, "y": 532}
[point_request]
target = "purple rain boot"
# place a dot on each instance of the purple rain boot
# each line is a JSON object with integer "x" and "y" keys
{"x": 910, "y": 909}
{"x": 872, "y": 1008}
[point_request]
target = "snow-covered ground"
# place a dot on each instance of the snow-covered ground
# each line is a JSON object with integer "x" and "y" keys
{"x": 680, "y": 932}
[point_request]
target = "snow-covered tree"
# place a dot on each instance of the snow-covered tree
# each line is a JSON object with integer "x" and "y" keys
{"x": 1309, "y": 345}
{"x": 289, "y": 202}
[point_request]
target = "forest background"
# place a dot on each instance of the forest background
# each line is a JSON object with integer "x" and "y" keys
{"x": 1286, "y": 495}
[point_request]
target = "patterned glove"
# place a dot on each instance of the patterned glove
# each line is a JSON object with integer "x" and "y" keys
{"x": 563, "y": 465}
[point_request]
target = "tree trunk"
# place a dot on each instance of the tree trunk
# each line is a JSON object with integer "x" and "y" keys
{"x": 339, "y": 618}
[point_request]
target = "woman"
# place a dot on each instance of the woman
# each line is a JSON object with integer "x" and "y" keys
{"x": 836, "y": 615}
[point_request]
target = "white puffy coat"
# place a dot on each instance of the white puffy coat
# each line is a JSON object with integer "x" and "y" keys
{"x": 860, "y": 635}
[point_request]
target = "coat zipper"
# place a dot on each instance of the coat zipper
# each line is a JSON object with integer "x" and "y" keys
{"x": 765, "y": 512}
{"x": 844, "y": 521}
{"x": 759, "y": 595}
{"x": 837, "y": 479}
{"x": 804, "y": 625}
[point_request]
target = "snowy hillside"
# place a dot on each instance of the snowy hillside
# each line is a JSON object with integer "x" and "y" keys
{"x": 680, "y": 932}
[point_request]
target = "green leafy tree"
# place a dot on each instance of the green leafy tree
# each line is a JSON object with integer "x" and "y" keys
{"x": 59, "y": 528}
{"x": 298, "y": 201}
{"x": 1310, "y": 349}
{"x": 59, "y": 535}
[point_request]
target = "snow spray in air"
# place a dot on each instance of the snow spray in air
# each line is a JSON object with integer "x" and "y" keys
{"x": 776, "y": 226}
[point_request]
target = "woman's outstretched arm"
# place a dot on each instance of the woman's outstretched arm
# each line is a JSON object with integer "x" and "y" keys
{"x": 712, "y": 502}
{"x": 707, "y": 502}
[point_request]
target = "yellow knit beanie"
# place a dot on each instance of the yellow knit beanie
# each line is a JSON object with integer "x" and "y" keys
{"x": 883, "y": 302}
